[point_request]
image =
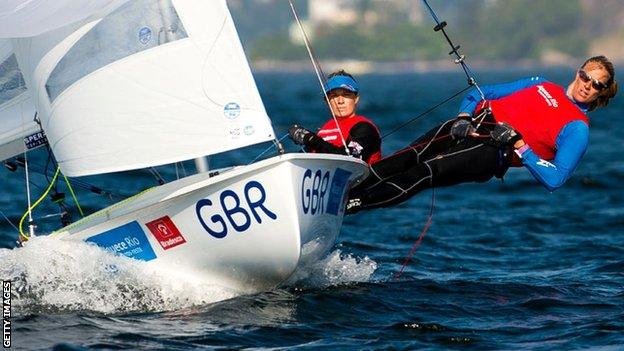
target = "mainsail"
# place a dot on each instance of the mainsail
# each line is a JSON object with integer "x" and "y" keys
{"x": 18, "y": 129}
{"x": 150, "y": 83}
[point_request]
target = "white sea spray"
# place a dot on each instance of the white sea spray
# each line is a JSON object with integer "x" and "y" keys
{"x": 335, "y": 269}
{"x": 57, "y": 275}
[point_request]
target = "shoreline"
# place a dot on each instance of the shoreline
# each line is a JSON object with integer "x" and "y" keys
{"x": 367, "y": 67}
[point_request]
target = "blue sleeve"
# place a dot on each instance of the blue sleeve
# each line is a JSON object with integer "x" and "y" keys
{"x": 571, "y": 145}
{"x": 497, "y": 91}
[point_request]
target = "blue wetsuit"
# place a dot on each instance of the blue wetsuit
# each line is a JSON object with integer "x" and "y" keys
{"x": 571, "y": 143}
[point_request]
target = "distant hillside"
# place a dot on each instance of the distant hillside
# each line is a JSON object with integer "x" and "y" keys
{"x": 548, "y": 31}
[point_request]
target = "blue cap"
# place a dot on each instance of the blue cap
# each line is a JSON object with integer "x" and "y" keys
{"x": 341, "y": 82}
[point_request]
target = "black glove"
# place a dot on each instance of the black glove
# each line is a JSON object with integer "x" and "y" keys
{"x": 300, "y": 135}
{"x": 461, "y": 129}
{"x": 504, "y": 134}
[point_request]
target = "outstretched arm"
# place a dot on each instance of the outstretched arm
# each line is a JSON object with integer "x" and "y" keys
{"x": 496, "y": 91}
{"x": 571, "y": 145}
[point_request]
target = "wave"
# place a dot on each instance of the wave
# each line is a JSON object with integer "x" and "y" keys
{"x": 54, "y": 276}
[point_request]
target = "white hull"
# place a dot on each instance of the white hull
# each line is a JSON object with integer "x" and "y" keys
{"x": 246, "y": 229}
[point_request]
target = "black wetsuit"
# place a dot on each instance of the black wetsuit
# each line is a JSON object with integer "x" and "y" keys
{"x": 433, "y": 160}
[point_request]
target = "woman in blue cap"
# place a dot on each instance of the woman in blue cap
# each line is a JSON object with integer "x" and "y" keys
{"x": 361, "y": 136}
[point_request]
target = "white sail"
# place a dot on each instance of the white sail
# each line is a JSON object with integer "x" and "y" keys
{"x": 151, "y": 83}
{"x": 18, "y": 130}
{"x": 26, "y": 18}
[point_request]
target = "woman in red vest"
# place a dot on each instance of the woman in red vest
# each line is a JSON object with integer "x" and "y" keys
{"x": 531, "y": 122}
{"x": 360, "y": 135}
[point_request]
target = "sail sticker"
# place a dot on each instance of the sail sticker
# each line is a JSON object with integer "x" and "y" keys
{"x": 166, "y": 232}
{"x": 249, "y": 130}
{"x": 128, "y": 240}
{"x": 232, "y": 110}
{"x": 34, "y": 140}
{"x": 234, "y": 133}
{"x": 145, "y": 35}
{"x": 337, "y": 191}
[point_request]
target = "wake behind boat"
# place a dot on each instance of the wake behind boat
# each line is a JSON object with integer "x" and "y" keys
{"x": 120, "y": 85}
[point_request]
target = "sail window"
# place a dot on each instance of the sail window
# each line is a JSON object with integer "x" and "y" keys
{"x": 11, "y": 80}
{"x": 137, "y": 26}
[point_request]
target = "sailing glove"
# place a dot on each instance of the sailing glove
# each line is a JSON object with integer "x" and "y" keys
{"x": 461, "y": 129}
{"x": 300, "y": 135}
{"x": 504, "y": 134}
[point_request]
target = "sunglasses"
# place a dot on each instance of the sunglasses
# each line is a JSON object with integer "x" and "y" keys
{"x": 598, "y": 85}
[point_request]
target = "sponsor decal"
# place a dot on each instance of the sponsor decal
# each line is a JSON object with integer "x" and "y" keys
{"x": 34, "y": 140}
{"x": 166, "y": 232}
{"x": 552, "y": 102}
{"x": 249, "y": 130}
{"x": 6, "y": 314}
{"x": 232, "y": 110}
{"x": 337, "y": 191}
{"x": 145, "y": 35}
{"x": 235, "y": 133}
{"x": 546, "y": 164}
{"x": 232, "y": 208}
{"x": 356, "y": 148}
{"x": 128, "y": 240}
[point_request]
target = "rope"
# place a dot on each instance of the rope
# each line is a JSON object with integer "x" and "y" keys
{"x": 318, "y": 71}
{"x": 416, "y": 244}
{"x": 460, "y": 59}
{"x": 267, "y": 149}
{"x": 21, "y": 222}
{"x": 426, "y": 112}
{"x": 77, "y": 182}
{"x": 71, "y": 191}
{"x": 8, "y": 220}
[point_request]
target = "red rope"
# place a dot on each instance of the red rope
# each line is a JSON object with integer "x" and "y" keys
{"x": 416, "y": 244}
{"x": 418, "y": 241}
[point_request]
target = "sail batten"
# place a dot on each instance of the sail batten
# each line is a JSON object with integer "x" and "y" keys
{"x": 149, "y": 84}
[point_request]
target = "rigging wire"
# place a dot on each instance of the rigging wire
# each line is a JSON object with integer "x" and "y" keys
{"x": 461, "y": 60}
{"x": 156, "y": 175}
{"x": 31, "y": 227}
{"x": 9, "y": 221}
{"x": 267, "y": 149}
{"x": 71, "y": 191}
{"x": 80, "y": 183}
{"x": 426, "y": 112}
{"x": 318, "y": 70}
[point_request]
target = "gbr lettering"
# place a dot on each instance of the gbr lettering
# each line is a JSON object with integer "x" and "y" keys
{"x": 232, "y": 212}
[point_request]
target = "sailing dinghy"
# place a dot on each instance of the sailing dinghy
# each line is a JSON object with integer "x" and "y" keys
{"x": 121, "y": 85}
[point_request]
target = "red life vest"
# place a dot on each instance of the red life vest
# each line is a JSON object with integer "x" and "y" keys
{"x": 329, "y": 133}
{"x": 539, "y": 113}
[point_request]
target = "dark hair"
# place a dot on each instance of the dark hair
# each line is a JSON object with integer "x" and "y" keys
{"x": 340, "y": 72}
{"x": 608, "y": 93}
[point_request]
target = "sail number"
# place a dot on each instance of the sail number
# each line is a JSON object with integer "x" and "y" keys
{"x": 314, "y": 186}
{"x": 231, "y": 208}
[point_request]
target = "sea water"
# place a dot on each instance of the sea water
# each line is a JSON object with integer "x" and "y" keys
{"x": 504, "y": 265}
